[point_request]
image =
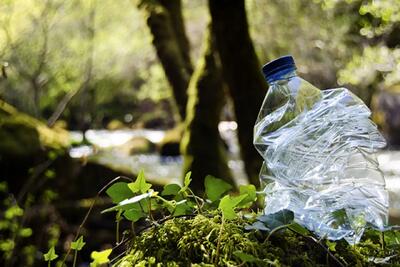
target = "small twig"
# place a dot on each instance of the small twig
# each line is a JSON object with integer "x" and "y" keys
{"x": 273, "y": 231}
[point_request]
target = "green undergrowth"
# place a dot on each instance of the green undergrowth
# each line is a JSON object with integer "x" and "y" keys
{"x": 175, "y": 227}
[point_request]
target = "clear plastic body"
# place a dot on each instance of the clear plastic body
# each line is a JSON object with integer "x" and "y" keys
{"x": 318, "y": 149}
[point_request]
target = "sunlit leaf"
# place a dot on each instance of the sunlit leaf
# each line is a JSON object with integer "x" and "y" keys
{"x": 140, "y": 184}
{"x": 171, "y": 189}
{"x": 100, "y": 257}
{"x": 215, "y": 187}
{"x": 228, "y": 204}
{"x": 331, "y": 245}
{"x": 119, "y": 191}
{"x": 50, "y": 255}
{"x": 251, "y": 192}
{"x": 186, "y": 182}
{"x": 78, "y": 244}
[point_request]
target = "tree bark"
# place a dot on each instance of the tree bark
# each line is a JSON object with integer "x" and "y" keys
{"x": 164, "y": 18}
{"x": 202, "y": 147}
{"x": 242, "y": 72}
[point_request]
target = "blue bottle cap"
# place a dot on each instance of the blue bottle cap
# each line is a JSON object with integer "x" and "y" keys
{"x": 273, "y": 70}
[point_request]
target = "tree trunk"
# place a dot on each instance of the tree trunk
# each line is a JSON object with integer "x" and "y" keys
{"x": 164, "y": 18}
{"x": 174, "y": 8}
{"x": 242, "y": 72}
{"x": 201, "y": 145}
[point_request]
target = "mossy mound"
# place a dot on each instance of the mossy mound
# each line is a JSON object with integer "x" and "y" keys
{"x": 24, "y": 136}
{"x": 195, "y": 242}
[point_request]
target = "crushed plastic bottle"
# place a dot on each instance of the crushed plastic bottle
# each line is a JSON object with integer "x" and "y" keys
{"x": 318, "y": 149}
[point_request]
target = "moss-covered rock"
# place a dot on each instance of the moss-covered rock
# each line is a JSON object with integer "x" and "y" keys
{"x": 138, "y": 145}
{"x": 195, "y": 242}
{"x": 24, "y": 136}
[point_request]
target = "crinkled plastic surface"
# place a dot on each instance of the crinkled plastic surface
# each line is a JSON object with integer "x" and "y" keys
{"x": 318, "y": 149}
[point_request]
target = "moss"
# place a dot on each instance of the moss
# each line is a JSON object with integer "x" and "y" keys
{"x": 193, "y": 242}
{"x": 22, "y": 135}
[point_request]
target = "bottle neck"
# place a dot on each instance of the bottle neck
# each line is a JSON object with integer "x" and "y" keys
{"x": 282, "y": 75}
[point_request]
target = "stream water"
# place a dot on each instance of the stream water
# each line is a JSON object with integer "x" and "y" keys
{"x": 105, "y": 151}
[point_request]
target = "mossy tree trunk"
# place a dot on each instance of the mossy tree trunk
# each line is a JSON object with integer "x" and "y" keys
{"x": 164, "y": 18}
{"x": 202, "y": 147}
{"x": 242, "y": 72}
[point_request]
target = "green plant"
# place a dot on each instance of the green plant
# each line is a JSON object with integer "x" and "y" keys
{"x": 175, "y": 227}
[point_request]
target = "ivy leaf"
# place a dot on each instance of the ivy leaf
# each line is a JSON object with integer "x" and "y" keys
{"x": 119, "y": 191}
{"x": 140, "y": 184}
{"x": 50, "y": 255}
{"x": 215, "y": 187}
{"x": 186, "y": 182}
{"x": 135, "y": 213}
{"x": 227, "y": 205}
{"x": 274, "y": 220}
{"x": 250, "y": 190}
{"x": 78, "y": 244}
{"x": 182, "y": 208}
{"x": 100, "y": 257}
{"x": 331, "y": 245}
{"x": 126, "y": 204}
{"x": 171, "y": 189}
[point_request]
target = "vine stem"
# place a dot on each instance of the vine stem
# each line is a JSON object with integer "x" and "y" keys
{"x": 75, "y": 256}
{"x": 310, "y": 238}
{"x": 90, "y": 210}
{"x": 274, "y": 231}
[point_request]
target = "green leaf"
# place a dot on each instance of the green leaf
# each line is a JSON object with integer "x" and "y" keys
{"x": 215, "y": 187}
{"x": 171, "y": 189}
{"x": 25, "y": 232}
{"x": 119, "y": 191}
{"x": 227, "y": 205}
{"x": 246, "y": 257}
{"x": 250, "y": 190}
{"x": 135, "y": 213}
{"x": 274, "y": 220}
{"x": 126, "y": 204}
{"x": 140, "y": 184}
{"x": 299, "y": 229}
{"x": 50, "y": 255}
{"x": 182, "y": 208}
{"x": 186, "y": 182}
{"x": 331, "y": 245}
{"x": 100, "y": 257}
{"x": 78, "y": 244}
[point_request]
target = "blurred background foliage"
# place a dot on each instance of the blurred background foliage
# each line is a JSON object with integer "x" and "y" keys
{"x": 51, "y": 47}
